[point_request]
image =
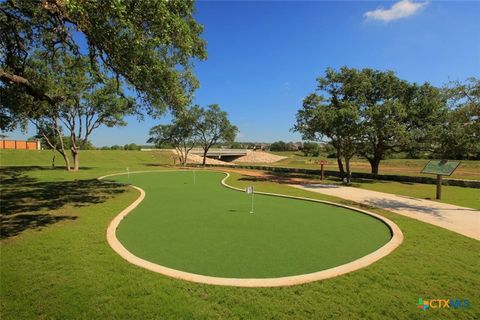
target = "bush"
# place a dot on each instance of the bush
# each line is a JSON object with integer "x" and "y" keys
{"x": 311, "y": 148}
{"x": 131, "y": 146}
{"x": 279, "y": 146}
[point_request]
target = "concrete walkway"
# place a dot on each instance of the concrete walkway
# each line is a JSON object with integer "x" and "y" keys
{"x": 462, "y": 220}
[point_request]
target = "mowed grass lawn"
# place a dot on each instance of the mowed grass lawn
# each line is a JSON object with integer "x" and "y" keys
{"x": 63, "y": 268}
{"x": 206, "y": 228}
{"x": 460, "y": 196}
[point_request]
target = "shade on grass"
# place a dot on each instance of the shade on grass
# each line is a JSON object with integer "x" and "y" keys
{"x": 208, "y": 229}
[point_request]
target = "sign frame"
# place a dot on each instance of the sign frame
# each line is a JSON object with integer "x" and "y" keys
{"x": 456, "y": 163}
{"x": 440, "y": 173}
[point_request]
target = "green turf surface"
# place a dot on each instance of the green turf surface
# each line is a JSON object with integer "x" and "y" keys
{"x": 57, "y": 263}
{"x": 206, "y": 228}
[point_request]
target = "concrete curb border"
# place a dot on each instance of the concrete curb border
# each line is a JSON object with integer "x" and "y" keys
{"x": 395, "y": 241}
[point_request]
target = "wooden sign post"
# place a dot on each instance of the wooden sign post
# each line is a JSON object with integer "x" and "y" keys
{"x": 322, "y": 163}
{"x": 439, "y": 186}
{"x": 440, "y": 168}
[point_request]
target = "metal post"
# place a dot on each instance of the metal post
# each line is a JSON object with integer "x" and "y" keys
{"x": 321, "y": 172}
{"x": 439, "y": 186}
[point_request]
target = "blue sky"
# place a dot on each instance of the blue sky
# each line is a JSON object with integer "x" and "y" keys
{"x": 264, "y": 57}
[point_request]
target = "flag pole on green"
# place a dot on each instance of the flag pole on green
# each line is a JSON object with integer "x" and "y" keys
{"x": 249, "y": 190}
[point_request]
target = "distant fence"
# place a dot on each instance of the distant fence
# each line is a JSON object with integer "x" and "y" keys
{"x": 20, "y": 144}
{"x": 360, "y": 175}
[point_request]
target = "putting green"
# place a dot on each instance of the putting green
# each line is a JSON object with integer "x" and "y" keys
{"x": 207, "y": 229}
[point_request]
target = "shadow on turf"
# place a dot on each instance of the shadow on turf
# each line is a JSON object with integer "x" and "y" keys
{"x": 299, "y": 178}
{"x": 156, "y": 165}
{"x": 14, "y": 225}
{"x": 27, "y": 203}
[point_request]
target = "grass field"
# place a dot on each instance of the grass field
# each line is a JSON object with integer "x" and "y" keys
{"x": 468, "y": 169}
{"x": 466, "y": 197}
{"x": 206, "y": 228}
{"x": 58, "y": 265}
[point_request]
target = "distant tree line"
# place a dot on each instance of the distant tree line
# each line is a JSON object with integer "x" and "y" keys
{"x": 128, "y": 146}
{"x": 308, "y": 148}
{"x": 372, "y": 114}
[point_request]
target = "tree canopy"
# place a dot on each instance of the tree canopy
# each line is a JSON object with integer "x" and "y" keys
{"x": 151, "y": 47}
{"x": 212, "y": 126}
{"x": 331, "y": 120}
{"x": 89, "y": 101}
{"x": 181, "y": 134}
{"x": 369, "y": 112}
{"x": 459, "y": 136}
{"x": 311, "y": 148}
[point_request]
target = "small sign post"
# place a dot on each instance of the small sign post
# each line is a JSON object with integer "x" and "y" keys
{"x": 439, "y": 187}
{"x": 322, "y": 163}
{"x": 440, "y": 168}
{"x": 249, "y": 190}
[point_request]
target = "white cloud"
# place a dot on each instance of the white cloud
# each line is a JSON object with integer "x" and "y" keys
{"x": 401, "y": 9}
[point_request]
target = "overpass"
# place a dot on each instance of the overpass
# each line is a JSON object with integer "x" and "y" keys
{"x": 221, "y": 154}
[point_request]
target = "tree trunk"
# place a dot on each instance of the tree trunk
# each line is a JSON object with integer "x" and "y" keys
{"x": 340, "y": 164}
{"x": 374, "y": 164}
{"x": 204, "y": 157}
{"x": 67, "y": 161}
{"x": 62, "y": 145}
{"x": 183, "y": 159}
{"x": 53, "y": 158}
{"x": 75, "y": 156}
{"x": 186, "y": 156}
{"x": 348, "y": 174}
{"x": 182, "y": 153}
{"x": 65, "y": 158}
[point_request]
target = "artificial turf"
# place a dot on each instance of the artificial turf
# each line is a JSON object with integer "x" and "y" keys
{"x": 206, "y": 228}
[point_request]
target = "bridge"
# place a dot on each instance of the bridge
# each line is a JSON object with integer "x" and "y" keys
{"x": 221, "y": 154}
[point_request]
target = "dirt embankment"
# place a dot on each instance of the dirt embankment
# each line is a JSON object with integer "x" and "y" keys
{"x": 250, "y": 157}
{"x": 193, "y": 158}
{"x": 258, "y": 157}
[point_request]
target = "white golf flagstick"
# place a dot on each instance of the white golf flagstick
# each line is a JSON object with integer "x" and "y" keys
{"x": 128, "y": 173}
{"x": 252, "y": 201}
{"x": 194, "y": 177}
{"x": 249, "y": 190}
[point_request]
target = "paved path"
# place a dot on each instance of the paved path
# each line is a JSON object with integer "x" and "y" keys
{"x": 462, "y": 220}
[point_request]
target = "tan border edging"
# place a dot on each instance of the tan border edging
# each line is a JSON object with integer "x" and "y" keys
{"x": 395, "y": 241}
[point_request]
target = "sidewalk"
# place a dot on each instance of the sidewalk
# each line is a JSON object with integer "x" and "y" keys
{"x": 462, "y": 220}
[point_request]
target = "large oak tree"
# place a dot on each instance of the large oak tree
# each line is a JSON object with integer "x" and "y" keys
{"x": 148, "y": 46}
{"x": 212, "y": 126}
{"x": 388, "y": 112}
{"x": 179, "y": 134}
{"x": 331, "y": 120}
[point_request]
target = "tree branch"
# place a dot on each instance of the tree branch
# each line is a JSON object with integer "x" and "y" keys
{"x": 9, "y": 78}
